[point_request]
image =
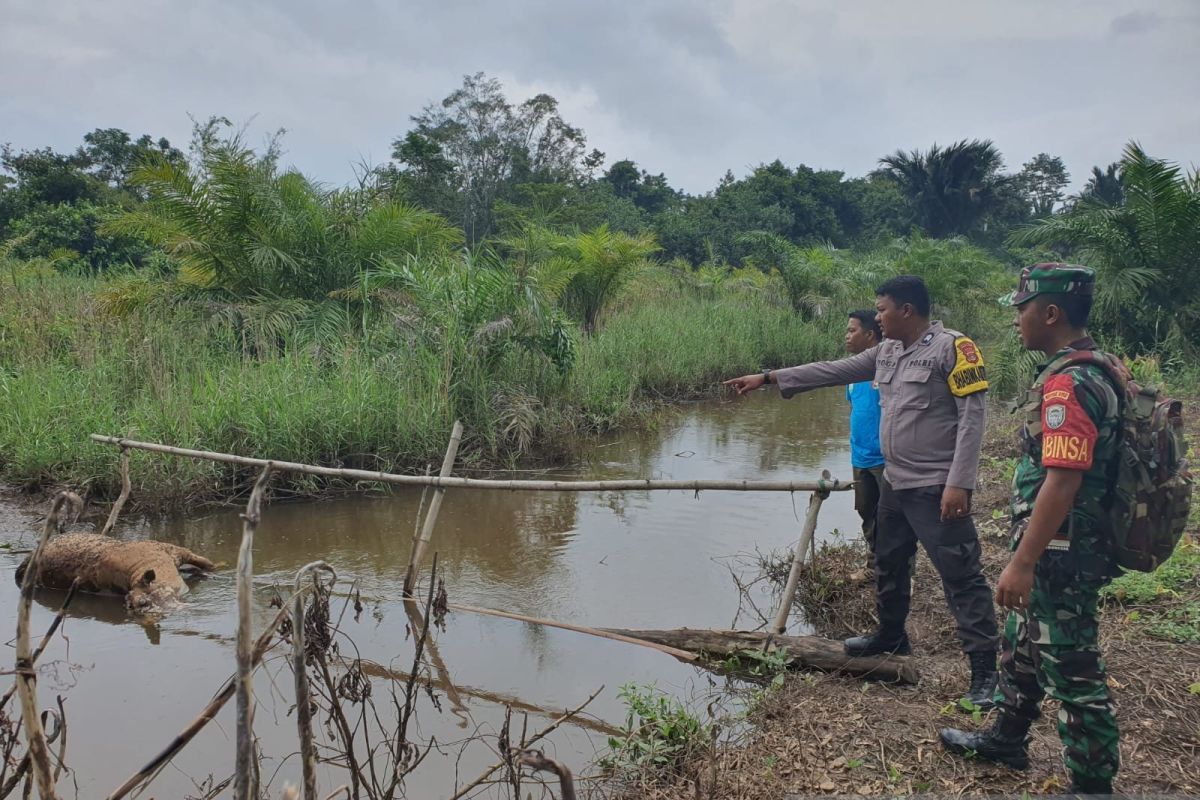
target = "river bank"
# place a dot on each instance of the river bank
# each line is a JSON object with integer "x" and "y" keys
{"x": 826, "y": 734}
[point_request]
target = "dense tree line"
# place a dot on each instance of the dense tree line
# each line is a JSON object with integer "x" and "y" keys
{"x": 499, "y": 170}
{"x": 491, "y": 165}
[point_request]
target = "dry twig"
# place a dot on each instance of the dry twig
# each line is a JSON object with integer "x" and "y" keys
{"x": 542, "y": 734}
{"x": 308, "y": 755}
{"x": 536, "y": 760}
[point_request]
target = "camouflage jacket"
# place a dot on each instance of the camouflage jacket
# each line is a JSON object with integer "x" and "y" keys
{"x": 1072, "y": 420}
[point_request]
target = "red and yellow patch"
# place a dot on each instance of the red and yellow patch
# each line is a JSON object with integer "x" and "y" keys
{"x": 1068, "y": 433}
{"x": 969, "y": 374}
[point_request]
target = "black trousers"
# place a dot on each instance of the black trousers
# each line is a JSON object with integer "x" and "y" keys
{"x": 867, "y": 483}
{"x": 908, "y": 516}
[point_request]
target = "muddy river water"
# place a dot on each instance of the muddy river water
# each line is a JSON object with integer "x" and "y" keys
{"x": 632, "y": 560}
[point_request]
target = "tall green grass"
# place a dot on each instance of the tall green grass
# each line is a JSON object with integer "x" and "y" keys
{"x": 385, "y": 400}
{"x": 67, "y": 370}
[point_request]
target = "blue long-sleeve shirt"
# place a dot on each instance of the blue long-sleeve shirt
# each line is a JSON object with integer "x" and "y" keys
{"x": 865, "y": 450}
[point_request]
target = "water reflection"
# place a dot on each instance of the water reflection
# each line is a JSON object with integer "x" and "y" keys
{"x": 633, "y": 559}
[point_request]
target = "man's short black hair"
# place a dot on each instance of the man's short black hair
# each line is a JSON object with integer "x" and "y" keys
{"x": 906, "y": 289}
{"x": 1077, "y": 307}
{"x": 866, "y": 319}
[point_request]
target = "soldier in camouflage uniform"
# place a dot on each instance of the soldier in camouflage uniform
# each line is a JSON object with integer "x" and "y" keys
{"x": 1062, "y": 548}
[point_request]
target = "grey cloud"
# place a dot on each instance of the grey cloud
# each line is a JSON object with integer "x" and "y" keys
{"x": 689, "y": 88}
{"x": 1136, "y": 22}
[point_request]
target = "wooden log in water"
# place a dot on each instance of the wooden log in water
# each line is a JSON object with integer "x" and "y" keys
{"x": 803, "y": 652}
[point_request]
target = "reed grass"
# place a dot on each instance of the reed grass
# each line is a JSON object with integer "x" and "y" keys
{"x": 382, "y": 401}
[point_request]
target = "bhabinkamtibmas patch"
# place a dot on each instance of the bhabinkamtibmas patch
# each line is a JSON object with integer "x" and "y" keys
{"x": 969, "y": 375}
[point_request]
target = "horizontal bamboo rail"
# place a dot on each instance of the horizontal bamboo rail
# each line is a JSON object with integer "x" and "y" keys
{"x": 626, "y": 484}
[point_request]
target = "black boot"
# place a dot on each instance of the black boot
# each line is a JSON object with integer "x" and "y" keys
{"x": 878, "y": 643}
{"x": 1091, "y": 787}
{"x": 1006, "y": 742}
{"x": 983, "y": 680}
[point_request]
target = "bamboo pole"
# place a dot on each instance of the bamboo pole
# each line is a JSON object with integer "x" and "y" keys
{"x": 806, "y": 539}
{"x": 308, "y": 751}
{"x": 46, "y": 637}
{"x": 126, "y": 488}
{"x": 245, "y": 785}
{"x": 435, "y": 506}
{"x": 26, "y": 677}
{"x": 377, "y": 670}
{"x": 682, "y": 655}
{"x": 628, "y": 484}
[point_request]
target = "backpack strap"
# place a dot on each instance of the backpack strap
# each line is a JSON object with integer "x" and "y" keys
{"x": 1112, "y": 366}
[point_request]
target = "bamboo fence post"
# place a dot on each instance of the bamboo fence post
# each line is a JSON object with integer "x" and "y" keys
{"x": 126, "y": 488}
{"x": 435, "y": 505}
{"x": 246, "y": 767}
{"x": 26, "y": 677}
{"x": 806, "y": 539}
{"x": 46, "y": 637}
{"x": 308, "y": 751}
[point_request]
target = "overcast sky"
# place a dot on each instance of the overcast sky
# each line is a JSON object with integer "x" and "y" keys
{"x": 686, "y": 87}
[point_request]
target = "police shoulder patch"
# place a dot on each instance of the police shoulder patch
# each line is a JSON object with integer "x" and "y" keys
{"x": 969, "y": 374}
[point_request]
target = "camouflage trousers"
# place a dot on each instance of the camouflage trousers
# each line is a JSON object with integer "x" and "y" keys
{"x": 1052, "y": 649}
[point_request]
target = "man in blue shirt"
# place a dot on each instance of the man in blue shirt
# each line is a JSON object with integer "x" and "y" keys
{"x": 866, "y": 456}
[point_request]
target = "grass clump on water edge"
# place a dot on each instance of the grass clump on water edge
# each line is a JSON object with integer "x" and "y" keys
{"x": 660, "y": 735}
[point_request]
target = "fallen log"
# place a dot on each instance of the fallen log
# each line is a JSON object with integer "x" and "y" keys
{"x": 803, "y": 652}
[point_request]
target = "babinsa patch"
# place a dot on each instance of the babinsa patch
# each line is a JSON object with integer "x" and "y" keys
{"x": 969, "y": 374}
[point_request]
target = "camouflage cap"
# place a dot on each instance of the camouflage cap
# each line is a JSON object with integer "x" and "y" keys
{"x": 1051, "y": 278}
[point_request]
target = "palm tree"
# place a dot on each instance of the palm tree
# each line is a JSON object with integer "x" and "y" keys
{"x": 275, "y": 252}
{"x": 1146, "y": 251}
{"x": 949, "y": 189}
{"x": 604, "y": 262}
{"x": 1104, "y": 186}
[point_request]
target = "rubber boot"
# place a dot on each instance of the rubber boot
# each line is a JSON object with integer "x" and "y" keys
{"x": 1006, "y": 742}
{"x": 983, "y": 680}
{"x": 878, "y": 643}
{"x": 1091, "y": 787}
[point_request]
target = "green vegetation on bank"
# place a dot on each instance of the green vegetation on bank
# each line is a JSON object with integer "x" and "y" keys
{"x": 217, "y": 300}
{"x": 68, "y": 368}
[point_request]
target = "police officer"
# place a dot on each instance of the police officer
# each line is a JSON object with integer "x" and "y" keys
{"x": 933, "y": 385}
{"x": 1062, "y": 551}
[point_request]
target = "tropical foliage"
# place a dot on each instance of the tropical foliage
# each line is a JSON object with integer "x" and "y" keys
{"x": 1145, "y": 248}
{"x": 951, "y": 189}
